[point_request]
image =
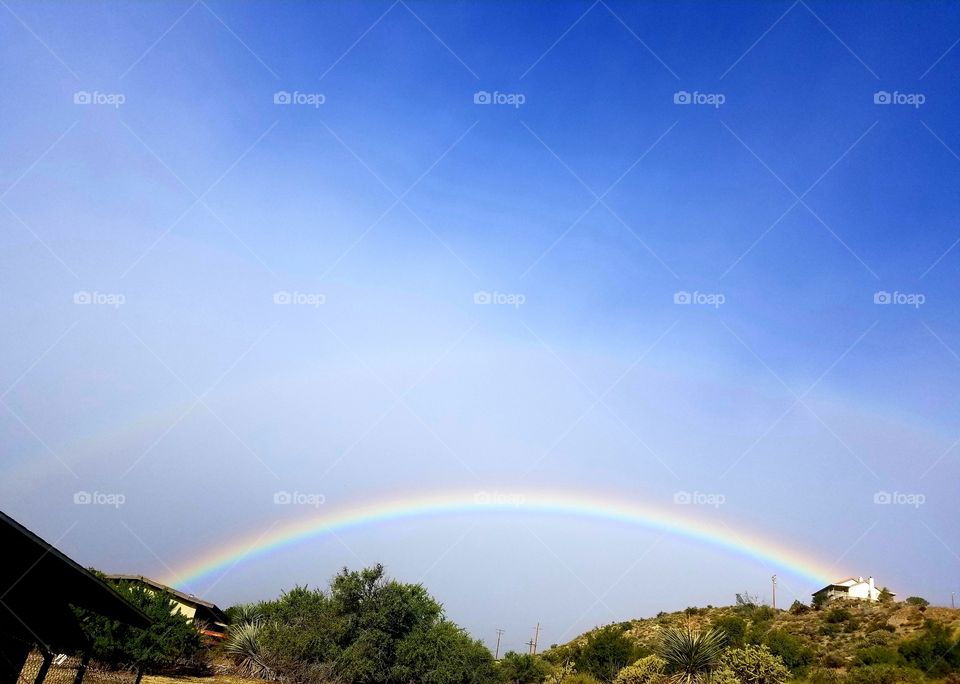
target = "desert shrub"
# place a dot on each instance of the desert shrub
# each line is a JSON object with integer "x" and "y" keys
{"x": 523, "y": 668}
{"x": 798, "y": 608}
{"x": 829, "y": 630}
{"x": 752, "y": 665}
{"x": 607, "y": 651}
{"x": 878, "y": 655}
{"x": 691, "y": 610}
{"x": 878, "y": 637}
{"x": 734, "y": 629}
{"x": 791, "y": 649}
{"x": 916, "y": 601}
{"x": 820, "y": 676}
{"x": 832, "y": 661}
{"x": 883, "y": 674}
{"x": 934, "y": 650}
{"x": 441, "y": 653}
{"x": 837, "y": 615}
{"x": 648, "y": 670}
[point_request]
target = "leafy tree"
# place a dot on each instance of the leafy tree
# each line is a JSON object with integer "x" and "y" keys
{"x": 798, "y": 608}
{"x": 170, "y": 641}
{"x": 752, "y": 665}
{"x": 691, "y": 656}
{"x": 523, "y": 668}
{"x": 886, "y": 596}
{"x": 917, "y": 601}
{"x": 442, "y": 654}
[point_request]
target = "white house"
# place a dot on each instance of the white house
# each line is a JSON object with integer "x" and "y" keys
{"x": 850, "y": 588}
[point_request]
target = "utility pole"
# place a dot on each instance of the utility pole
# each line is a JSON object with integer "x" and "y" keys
{"x": 497, "y": 654}
{"x": 774, "y": 580}
{"x": 536, "y": 639}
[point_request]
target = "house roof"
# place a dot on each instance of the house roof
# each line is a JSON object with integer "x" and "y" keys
{"x": 39, "y": 585}
{"x": 183, "y": 597}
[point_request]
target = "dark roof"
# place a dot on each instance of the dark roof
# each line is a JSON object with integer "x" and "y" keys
{"x": 38, "y": 586}
{"x": 179, "y": 595}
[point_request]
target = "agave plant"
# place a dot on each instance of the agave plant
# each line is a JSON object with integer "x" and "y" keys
{"x": 691, "y": 655}
{"x": 244, "y": 645}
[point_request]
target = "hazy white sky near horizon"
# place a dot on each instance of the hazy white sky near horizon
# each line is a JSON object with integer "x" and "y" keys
{"x": 797, "y": 399}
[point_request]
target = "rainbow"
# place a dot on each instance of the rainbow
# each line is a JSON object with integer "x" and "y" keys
{"x": 776, "y": 556}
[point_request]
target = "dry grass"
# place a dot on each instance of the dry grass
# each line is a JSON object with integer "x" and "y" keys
{"x": 212, "y": 679}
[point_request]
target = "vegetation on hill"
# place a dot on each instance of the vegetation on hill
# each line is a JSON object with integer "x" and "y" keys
{"x": 848, "y": 642}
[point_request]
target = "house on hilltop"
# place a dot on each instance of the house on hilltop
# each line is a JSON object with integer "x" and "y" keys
{"x": 206, "y": 616}
{"x": 851, "y": 588}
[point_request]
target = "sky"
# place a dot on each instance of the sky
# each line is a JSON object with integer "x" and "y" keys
{"x": 265, "y": 263}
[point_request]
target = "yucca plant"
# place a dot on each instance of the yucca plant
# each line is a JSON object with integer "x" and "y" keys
{"x": 691, "y": 655}
{"x": 244, "y": 646}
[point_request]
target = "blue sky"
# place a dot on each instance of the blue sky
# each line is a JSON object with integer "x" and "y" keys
{"x": 587, "y": 210}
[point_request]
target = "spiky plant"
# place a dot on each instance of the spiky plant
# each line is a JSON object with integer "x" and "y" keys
{"x": 691, "y": 655}
{"x": 244, "y": 646}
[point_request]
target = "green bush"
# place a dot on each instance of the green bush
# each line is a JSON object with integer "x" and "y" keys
{"x": 917, "y": 601}
{"x": 797, "y": 608}
{"x": 879, "y": 655}
{"x": 752, "y": 665}
{"x": 734, "y": 629}
{"x": 791, "y": 649}
{"x": 523, "y": 668}
{"x": 607, "y": 651}
{"x": 883, "y": 674}
{"x": 838, "y": 615}
{"x": 933, "y": 651}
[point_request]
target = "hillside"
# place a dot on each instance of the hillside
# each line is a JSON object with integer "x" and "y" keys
{"x": 821, "y": 643}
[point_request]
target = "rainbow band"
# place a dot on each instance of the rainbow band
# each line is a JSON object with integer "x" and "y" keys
{"x": 776, "y": 557}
